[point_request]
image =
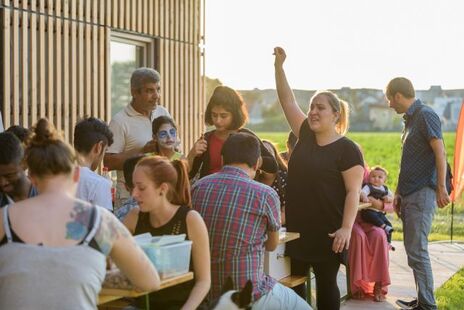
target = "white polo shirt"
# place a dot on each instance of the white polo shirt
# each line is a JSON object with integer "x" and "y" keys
{"x": 131, "y": 130}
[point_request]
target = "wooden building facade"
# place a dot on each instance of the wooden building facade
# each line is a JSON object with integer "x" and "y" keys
{"x": 66, "y": 59}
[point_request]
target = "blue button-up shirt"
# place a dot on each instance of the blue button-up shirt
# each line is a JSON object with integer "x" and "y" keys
{"x": 418, "y": 168}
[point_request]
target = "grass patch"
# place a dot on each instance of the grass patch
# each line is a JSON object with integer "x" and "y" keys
{"x": 384, "y": 148}
{"x": 450, "y": 296}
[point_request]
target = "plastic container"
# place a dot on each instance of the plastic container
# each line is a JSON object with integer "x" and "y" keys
{"x": 170, "y": 260}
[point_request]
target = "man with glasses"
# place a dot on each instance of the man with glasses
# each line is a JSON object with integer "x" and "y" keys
{"x": 131, "y": 126}
{"x": 14, "y": 183}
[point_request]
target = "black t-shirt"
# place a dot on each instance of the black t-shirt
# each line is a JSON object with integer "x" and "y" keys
{"x": 316, "y": 193}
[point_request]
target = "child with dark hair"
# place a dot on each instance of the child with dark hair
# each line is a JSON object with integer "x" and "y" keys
{"x": 130, "y": 203}
{"x": 14, "y": 183}
{"x": 91, "y": 138}
{"x": 165, "y": 137}
{"x": 278, "y": 180}
{"x": 226, "y": 111}
{"x": 376, "y": 189}
{"x": 291, "y": 142}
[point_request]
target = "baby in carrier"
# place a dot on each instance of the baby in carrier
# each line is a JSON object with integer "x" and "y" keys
{"x": 376, "y": 188}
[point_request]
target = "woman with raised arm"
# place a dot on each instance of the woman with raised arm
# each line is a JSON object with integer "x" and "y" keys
{"x": 324, "y": 179}
{"x": 53, "y": 247}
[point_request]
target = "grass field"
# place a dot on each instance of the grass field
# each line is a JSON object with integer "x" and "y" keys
{"x": 384, "y": 149}
{"x": 450, "y": 295}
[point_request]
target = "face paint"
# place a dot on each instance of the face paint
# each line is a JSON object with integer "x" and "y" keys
{"x": 167, "y": 136}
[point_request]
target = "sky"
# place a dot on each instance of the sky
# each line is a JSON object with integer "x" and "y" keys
{"x": 335, "y": 43}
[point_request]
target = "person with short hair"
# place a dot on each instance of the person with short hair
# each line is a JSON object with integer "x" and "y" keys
{"x": 243, "y": 220}
{"x": 22, "y": 133}
{"x": 15, "y": 185}
{"x": 91, "y": 139}
{"x": 132, "y": 126}
{"x": 227, "y": 112}
{"x": 421, "y": 183}
{"x": 325, "y": 175}
{"x": 53, "y": 247}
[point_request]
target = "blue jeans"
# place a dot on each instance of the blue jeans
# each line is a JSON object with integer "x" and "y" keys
{"x": 281, "y": 298}
{"x": 417, "y": 210}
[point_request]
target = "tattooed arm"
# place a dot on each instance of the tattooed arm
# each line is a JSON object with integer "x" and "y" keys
{"x": 114, "y": 239}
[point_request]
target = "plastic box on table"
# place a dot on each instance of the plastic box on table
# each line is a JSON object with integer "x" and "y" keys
{"x": 170, "y": 259}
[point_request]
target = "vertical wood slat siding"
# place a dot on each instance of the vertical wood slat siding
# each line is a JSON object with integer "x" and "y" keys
{"x": 42, "y": 54}
{"x": 33, "y": 67}
{"x": 56, "y": 59}
{"x": 6, "y": 84}
{"x": 15, "y": 63}
{"x": 73, "y": 62}
{"x": 58, "y": 71}
{"x": 66, "y": 71}
{"x": 24, "y": 65}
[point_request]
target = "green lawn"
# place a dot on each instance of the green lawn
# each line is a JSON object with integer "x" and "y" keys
{"x": 384, "y": 149}
{"x": 450, "y": 296}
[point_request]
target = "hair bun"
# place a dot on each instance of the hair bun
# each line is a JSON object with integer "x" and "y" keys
{"x": 44, "y": 133}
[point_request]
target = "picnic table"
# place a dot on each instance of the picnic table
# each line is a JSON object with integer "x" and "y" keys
{"x": 117, "y": 286}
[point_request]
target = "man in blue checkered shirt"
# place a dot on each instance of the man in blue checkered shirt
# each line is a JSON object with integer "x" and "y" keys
{"x": 421, "y": 184}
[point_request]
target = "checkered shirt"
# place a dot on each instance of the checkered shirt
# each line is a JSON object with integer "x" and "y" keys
{"x": 238, "y": 213}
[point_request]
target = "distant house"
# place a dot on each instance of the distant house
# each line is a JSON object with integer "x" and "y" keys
{"x": 381, "y": 117}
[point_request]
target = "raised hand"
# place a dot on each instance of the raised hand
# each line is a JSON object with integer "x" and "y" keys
{"x": 280, "y": 56}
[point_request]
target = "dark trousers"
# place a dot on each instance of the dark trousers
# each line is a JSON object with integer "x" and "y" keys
{"x": 376, "y": 218}
{"x": 327, "y": 292}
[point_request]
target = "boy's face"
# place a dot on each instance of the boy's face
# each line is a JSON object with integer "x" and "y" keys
{"x": 377, "y": 177}
{"x": 11, "y": 176}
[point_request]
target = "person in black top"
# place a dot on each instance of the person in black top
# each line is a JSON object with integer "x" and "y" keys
{"x": 162, "y": 191}
{"x": 324, "y": 179}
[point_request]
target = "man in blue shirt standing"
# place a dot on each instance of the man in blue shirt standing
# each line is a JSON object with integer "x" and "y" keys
{"x": 421, "y": 184}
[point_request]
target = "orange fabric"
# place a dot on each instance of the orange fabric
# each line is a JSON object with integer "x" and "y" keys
{"x": 458, "y": 180}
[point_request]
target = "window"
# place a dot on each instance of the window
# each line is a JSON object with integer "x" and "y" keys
{"x": 127, "y": 52}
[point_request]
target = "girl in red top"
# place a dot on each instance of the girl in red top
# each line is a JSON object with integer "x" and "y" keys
{"x": 226, "y": 111}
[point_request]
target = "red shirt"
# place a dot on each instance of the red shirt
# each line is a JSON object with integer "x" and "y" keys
{"x": 214, "y": 148}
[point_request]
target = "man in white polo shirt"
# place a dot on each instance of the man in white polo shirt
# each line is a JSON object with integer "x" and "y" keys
{"x": 131, "y": 127}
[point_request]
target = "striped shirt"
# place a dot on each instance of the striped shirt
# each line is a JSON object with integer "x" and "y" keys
{"x": 238, "y": 212}
{"x": 418, "y": 168}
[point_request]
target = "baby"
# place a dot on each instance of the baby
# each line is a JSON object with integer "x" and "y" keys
{"x": 376, "y": 189}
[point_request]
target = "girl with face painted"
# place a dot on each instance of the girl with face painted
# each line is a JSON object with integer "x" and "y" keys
{"x": 164, "y": 132}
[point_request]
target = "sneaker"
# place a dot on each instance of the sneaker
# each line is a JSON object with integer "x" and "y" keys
{"x": 407, "y": 304}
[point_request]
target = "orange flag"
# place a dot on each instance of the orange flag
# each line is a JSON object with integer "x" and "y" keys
{"x": 458, "y": 174}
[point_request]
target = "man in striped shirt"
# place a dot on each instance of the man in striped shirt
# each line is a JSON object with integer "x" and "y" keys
{"x": 243, "y": 220}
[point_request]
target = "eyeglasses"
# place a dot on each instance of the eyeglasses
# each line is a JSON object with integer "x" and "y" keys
{"x": 164, "y": 134}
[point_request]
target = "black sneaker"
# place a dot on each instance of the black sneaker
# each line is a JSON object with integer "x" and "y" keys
{"x": 407, "y": 304}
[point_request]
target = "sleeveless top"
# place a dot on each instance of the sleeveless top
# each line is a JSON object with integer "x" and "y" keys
{"x": 173, "y": 297}
{"x": 41, "y": 277}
